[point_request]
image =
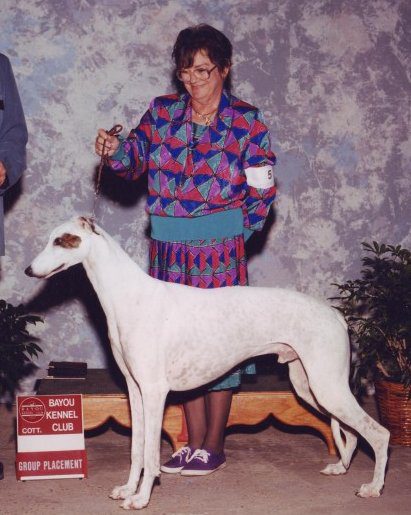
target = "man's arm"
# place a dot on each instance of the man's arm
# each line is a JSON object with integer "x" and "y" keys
{"x": 13, "y": 129}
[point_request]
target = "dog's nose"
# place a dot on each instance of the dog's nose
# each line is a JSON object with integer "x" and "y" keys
{"x": 28, "y": 271}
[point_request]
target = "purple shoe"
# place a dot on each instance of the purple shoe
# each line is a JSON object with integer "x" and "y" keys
{"x": 178, "y": 460}
{"x": 203, "y": 462}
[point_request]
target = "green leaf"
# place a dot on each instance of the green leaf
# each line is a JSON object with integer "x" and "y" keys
{"x": 17, "y": 346}
{"x": 377, "y": 307}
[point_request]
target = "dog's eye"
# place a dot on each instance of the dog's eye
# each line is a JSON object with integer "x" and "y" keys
{"x": 57, "y": 241}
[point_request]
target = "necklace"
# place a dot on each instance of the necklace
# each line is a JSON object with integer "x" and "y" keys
{"x": 206, "y": 117}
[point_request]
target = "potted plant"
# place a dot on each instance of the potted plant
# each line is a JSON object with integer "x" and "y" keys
{"x": 377, "y": 308}
{"x": 17, "y": 346}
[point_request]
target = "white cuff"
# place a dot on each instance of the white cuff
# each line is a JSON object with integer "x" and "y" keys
{"x": 260, "y": 176}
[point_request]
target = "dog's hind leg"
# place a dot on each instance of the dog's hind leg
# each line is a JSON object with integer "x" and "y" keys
{"x": 299, "y": 380}
{"x": 154, "y": 397}
{"x": 137, "y": 442}
{"x": 338, "y": 400}
{"x": 346, "y": 449}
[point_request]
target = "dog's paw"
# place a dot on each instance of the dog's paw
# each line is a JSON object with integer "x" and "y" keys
{"x": 369, "y": 490}
{"x": 121, "y": 492}
{"x": 334, "y": 469}
{"x": 135, "y": 502}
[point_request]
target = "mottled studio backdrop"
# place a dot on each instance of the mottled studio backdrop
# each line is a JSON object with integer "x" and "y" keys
{"x": 332, "y": 78}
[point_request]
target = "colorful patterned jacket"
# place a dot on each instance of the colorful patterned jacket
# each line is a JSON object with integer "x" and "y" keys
{"x": 229, "y": 167}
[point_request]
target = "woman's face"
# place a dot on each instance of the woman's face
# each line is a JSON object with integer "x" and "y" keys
{"x": 205, "y": 91}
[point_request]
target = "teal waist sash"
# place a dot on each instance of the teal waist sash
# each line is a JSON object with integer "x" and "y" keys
{"x": 224, "y": 224}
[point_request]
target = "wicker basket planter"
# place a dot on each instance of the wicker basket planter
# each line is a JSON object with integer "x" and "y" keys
{"x": 394, "y": 405}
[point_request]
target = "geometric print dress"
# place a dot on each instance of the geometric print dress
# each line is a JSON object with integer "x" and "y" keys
{"x": 213, "y": 263}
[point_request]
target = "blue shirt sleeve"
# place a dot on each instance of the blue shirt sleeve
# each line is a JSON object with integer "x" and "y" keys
{"x": 13, "y": 129}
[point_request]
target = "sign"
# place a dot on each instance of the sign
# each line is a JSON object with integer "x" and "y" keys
{"x": 50, "y": 437}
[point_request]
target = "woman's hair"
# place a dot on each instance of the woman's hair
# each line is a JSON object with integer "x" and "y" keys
{"x": 202, "y": 37}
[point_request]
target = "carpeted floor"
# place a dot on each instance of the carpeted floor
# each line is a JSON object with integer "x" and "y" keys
{"x": 269, "y": 471}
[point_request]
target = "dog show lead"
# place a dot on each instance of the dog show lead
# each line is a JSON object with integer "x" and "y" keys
{"x": 210, "y": 186}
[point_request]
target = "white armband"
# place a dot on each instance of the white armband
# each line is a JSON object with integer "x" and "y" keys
{"x": 260, "y": 176}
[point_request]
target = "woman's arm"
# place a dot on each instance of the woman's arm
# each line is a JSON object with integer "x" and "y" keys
{"x": 132, "y": 155}
{"x": 258, "y": 165}
{"x": 127, "y": 157}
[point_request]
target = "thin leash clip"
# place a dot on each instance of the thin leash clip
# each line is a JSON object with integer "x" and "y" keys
{"x": 114, "y": 131}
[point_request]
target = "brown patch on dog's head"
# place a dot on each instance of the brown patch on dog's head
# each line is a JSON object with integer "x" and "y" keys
{"x": 68, "y": 241}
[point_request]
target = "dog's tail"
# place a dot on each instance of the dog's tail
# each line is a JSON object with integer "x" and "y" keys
{"x": 336, "y": 431}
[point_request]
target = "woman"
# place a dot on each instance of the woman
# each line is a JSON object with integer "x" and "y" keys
{"x": 210, "y": 185}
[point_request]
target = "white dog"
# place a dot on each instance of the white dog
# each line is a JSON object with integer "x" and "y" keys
{"x": 168, "y": 336}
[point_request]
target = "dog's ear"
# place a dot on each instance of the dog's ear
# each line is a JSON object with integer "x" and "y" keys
{"x": 87, "y": 223}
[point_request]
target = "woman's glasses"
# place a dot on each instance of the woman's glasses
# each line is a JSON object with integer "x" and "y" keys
{"x": 197, "y": 73}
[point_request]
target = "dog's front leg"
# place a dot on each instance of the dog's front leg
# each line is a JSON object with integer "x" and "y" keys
{"x": 153, "y": 405}
{"x": 137, "y": 442}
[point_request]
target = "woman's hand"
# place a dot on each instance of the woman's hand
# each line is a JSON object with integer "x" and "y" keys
{"x": 111, "y": 143}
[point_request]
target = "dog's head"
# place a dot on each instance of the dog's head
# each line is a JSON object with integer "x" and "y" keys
{"x": 68, "y": 245}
